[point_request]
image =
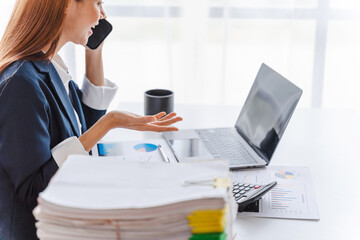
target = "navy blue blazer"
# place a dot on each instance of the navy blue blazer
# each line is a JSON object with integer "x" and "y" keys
{"x": 36, "y": 114}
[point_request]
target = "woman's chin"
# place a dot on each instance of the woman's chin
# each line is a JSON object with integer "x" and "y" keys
{"x": 81, "y": 42}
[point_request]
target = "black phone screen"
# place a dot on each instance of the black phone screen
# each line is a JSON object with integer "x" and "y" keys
{"x": 100, "y": 32}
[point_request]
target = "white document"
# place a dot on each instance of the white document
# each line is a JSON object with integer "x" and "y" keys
{"x": 293, "y": 196}
{"x": 127, "y": 184}
{"x": 139, "y": 151}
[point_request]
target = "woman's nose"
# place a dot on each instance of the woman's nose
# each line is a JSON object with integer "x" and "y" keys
{"x": 102, "y": 13}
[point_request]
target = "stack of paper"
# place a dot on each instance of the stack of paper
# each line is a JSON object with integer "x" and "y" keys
{"x": 103, "y": 198}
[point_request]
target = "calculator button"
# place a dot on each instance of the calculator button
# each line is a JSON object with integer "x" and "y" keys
{"x": 246, "y": 185}
{"x": 241, "y": 188}
{"x": 240, "y": 185}
{"x": 236, "y": 190}
{"x": 237, "y": 195}
{"x": 242, "y": 192}
{"x": 251, "y": 186}
{"x": 238, "y": 200}
{"x": 256, "y": 187}
{"x": 247, "y": 189}
{"x": 236, "y": 187}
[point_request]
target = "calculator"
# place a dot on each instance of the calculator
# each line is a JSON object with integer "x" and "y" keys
{"x": 247, "y": 193}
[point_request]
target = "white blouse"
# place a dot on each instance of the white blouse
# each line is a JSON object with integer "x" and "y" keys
{"x": 96, "y": 97}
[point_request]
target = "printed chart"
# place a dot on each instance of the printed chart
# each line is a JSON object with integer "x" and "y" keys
{"x": 292, "y": 197}
{"x": 287, "y": 198}
{"x": 145, "y": 147}
{"x": 136, "y": 150}
{"x": 284, "y": 174}
{"x": 109, "y": 149}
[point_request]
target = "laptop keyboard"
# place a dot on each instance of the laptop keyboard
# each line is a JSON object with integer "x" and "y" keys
{"x": 225, "y": 143}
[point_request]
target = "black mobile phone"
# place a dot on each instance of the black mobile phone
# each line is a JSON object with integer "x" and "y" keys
{"x": 100, "y": 32}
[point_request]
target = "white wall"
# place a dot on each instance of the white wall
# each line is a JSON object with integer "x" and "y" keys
{"x": 209, "y": 51}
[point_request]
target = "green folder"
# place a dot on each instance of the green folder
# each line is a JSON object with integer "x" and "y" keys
{"x": 209, "y": 236}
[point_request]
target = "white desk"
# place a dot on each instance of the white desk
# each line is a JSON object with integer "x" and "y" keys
{"x": 327, "y": 141}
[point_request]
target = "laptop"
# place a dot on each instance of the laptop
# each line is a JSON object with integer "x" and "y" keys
{"x": 257, "y": 131}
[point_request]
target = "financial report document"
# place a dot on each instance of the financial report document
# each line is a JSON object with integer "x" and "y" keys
{"x": 293, "y": 196}
{"x": 140, "y": 151}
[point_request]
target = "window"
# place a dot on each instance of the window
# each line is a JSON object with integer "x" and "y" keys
{"x": 209, "y": 51}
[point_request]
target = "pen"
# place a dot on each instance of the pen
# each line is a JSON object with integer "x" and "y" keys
{"x": 162, "y": 153}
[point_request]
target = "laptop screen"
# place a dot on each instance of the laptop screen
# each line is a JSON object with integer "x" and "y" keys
{"x": 267, "y": 111}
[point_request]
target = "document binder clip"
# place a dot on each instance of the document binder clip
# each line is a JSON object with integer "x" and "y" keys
{"x": 216, "y": 182}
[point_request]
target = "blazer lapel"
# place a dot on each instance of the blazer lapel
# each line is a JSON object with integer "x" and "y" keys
{"x": 55, "y": 80}
{"x": 61, "y": 91}
{"x": 76, "y": 103}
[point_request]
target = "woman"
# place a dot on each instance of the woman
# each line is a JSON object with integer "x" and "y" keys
{"x": 44, "y": 116}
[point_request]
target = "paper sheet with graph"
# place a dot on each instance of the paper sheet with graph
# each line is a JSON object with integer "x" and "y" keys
{"x": 293, "y": 197}
{"x": 140, "y": 151}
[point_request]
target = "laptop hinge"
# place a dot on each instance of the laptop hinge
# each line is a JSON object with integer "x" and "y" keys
{"x": 263, "y": 156}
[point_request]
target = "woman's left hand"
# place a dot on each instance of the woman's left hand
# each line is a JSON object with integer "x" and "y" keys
{"x": 95, "y": 51}
{"x": 117, "y": 119}
{"x": 157, "y": 123}
{"x": 94, "y": 69}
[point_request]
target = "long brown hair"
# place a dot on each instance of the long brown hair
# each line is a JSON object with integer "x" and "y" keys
{"x": 33, "y": 25}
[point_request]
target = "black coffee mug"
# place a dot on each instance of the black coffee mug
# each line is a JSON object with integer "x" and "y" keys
{"x": 158, "y": 100}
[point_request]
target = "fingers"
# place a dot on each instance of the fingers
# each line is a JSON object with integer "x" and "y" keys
{"x": 167, "y": 129}
{"x": 155, "y": 128}
{"x": 143, "y": 120}
{"x": 159, "y": 122}
{"x": 167, "y": 122}
{"x": 170, "y": 115}
{"x": 159, "y": 115}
